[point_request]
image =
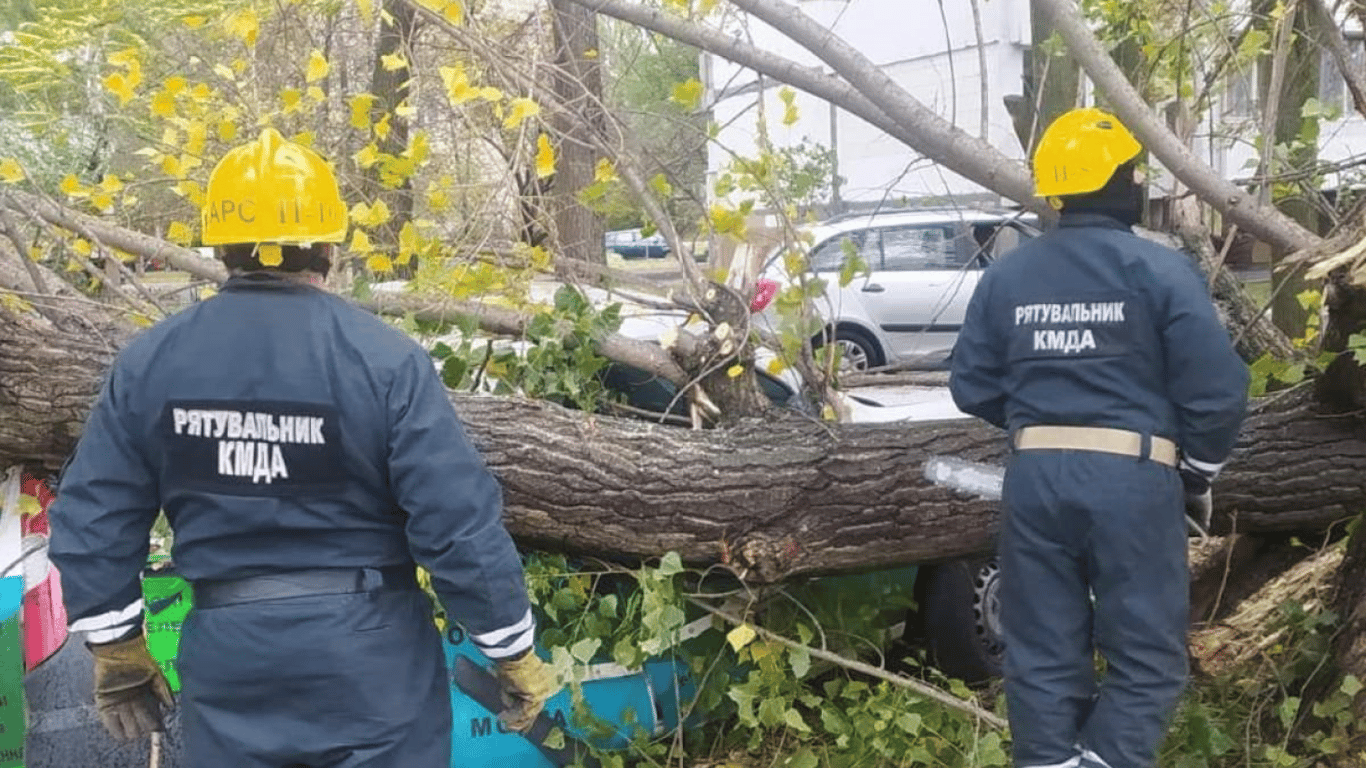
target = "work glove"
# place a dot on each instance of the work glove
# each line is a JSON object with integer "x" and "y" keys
{"x": 129, "y": 688}
{"x": 527, "y": 684}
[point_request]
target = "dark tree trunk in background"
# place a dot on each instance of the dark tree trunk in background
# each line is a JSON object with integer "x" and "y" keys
{"x": 391, "y": 89}
{"x": 577, "y": 81}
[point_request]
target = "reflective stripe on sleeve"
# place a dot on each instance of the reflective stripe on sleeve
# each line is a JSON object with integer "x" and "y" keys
{"x": 123, "y": 618}
{"x": 1208, "y": 469}
{"x": 508, "y": 641}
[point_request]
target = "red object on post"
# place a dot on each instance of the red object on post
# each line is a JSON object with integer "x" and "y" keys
{"x": 44, "y": 616}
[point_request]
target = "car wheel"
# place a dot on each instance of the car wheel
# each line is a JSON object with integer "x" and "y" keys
{"x": 960, "y": 615}
{"x": 858, "y": 350}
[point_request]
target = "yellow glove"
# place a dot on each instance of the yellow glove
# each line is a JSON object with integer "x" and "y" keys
{"x": 129, "y": 688}
{"x": 527, "y": 684}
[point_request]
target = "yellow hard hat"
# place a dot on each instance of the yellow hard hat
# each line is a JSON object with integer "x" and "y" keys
{"x": 273, "y": 191}
{"x": 1080, "y": 151}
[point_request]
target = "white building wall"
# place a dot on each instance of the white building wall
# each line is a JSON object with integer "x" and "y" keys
{"x": 908, "y": 39}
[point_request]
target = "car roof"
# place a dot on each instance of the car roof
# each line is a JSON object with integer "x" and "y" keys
{"x": 850, "y": 222}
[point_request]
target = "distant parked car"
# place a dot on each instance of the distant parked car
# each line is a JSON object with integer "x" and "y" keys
{"x": 922, "y": 267}
{"x": 629, "y": 244}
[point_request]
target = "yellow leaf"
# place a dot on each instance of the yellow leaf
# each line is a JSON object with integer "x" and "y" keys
{"x": 828, "y": 413}
{"x": 224, "y": 71}
{"x": 303, "y": 138}
{"x": 407, "y": 239}
{"x": 141, "y": 320}
{"x": 111, "y": 183}
{"x": 382, "y": 127}
{"x": 102, "y": 200}
{"x": 163, "y": 104}
{"x": 545, "y": 157}
{"x": 604, "y": 171}
{"x": 370, "y": 216}
{"x": 740, "y": 637}
{"x": 170, "y": 165}
{"x": 394, "y": 61}
{"x": 688, "y": 93}
{"x": 191, "y": 191}
{"x": 360, "y": 110}
{"x": 29, "y": 506}
{"x": 290, "y": 98}
{"x": 119, "y": 86}
{"x": 196, "y": 136}
{"x": 661, "y": 185}
{"x": 317, "y": 67}
{"x": 194, "y": 22}
{"x": 789, "y": 99}
{"x": 360, "y": 242}
{"x": 82, "y": 247}
{"x": 489, "y": 93}
{"x": 379, "y": 263}
{"x": 242, "y": 24}
{"x": 270, "y": 254}
{"x": 519, "y": 110}
{"x": 368, "y": 156}
{"x": 126, "y": 58}
{"x": 776, "y": 366}
{"x": 727, "y": 221}
{"x": 35, "y": 253}
{"x": 367, "y": 9}
{"x": 227, "y": 130}
{"x": 458, "y": 88}
{"x": 316, "y": 94}
{"x": 10, "y": 171}
{"x": 180, "y": 233}
{"x": 591, "y": 53}
{"x": 71, "y": 186}
{"x": 735, "y": 370}
{"x": 201, "y": 91}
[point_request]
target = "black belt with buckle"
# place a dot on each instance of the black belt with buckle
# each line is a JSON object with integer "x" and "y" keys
{"x": 216, "y": 593}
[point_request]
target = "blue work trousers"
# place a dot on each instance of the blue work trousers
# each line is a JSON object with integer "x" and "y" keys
{"x": 1093, "y": 559}
{"x": 322, "y": 681}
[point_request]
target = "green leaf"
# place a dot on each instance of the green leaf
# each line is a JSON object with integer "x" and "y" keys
{"x": 670, "y": 564}
{"x": 1350, "y": 685}
{"x": 793, "y": 718}
{"x": 1287, "y": 709}
{"x": 800, "y": 659}
{"x": 584, "y": 649}
{"x": 804, "y": 758}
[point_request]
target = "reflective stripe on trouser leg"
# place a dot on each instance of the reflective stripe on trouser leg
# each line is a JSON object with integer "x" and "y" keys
{"x": 1141, "y": 582}
{"x": 332, "y": 681}
{"x": 1045, "y": 611}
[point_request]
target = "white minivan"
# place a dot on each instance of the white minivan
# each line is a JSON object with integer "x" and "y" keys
{"x": 922, "y": 267}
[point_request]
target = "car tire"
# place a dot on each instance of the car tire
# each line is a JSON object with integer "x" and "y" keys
{"x": 959, "y": 617}
{"x": 858, "y": 350}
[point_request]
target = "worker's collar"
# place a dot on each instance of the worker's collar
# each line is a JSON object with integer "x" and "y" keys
{"x": 287, "y": 281}
{"x": 1091, "y": 219}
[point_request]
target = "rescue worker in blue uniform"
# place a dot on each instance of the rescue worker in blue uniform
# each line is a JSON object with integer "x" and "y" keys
{"x": 1102, "y": 355}
{"x": 307, "y": 457}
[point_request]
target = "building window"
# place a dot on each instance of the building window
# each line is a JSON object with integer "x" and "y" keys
{"x": 1240, "y": 99}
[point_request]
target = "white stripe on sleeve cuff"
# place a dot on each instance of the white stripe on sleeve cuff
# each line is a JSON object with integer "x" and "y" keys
{"x": 508, "y": 641}
{"x": 1207, "y": 468}
{"x": 499, "y": 635}
{"x": 109, "y": 619}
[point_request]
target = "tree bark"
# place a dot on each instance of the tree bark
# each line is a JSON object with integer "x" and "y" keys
{"x": 769, "y": 498}
{"x": 577, "y": 80}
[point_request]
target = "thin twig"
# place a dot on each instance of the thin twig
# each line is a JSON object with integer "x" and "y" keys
{"x": 928, "y": 691}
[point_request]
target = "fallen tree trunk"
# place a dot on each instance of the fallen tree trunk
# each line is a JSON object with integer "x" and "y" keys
{"x": 771, "y": 498}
